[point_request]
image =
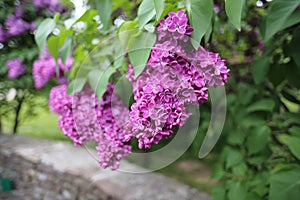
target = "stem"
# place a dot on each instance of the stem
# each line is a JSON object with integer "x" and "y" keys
{"x": 17, "y": 116}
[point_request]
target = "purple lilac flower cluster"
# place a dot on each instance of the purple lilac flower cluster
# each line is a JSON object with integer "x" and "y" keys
{"x": 175, "y": 77}
{"x": 15, "y": 68}
{"x": 16, "y": 23}
{"x": 45, "y": 68}
{"x": 50, "y": 5}
{"x": 83, "y": 119}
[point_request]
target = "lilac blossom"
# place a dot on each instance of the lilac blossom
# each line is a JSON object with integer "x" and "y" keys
{"x": 15, "y": 68}
{"x": 16, "y": 26}
{"x": 83, "y": 119}
{"x": 44, "y": 69}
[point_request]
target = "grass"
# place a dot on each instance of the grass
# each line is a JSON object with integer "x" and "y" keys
{"x": 44, "y": 125}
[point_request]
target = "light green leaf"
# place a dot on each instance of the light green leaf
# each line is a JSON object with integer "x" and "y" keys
{"x": 200, "y": 13}
{"x": 98, "y": 80}
{"x": 293, "y": 143}
{"x": 52, "y": 44}
{"x": 146, "y": 12}
{"x": 139, "y": 50}
{"x": 233, "y": 10}
{"x": 285, "y": 184}
{"x": 126, "y": 30}
{"x": 66, "y": 51}
{"x": 262, "y": 105}
{"x": 258, "y": 139}
{"x": 276, "y": 19}
{"x": 260, "y": 69}
{"x": 104, "y": 8}
{"x": 76, "y": 85}
{"x": 87, "y": 16}
{"x": 43, "y": 31}
{"x": 159, "y": 8}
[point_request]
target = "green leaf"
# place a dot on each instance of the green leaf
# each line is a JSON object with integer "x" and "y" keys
{"x": 285, "y": 185}
{"x": 139, "y": 50}
{"x": 43, "y": 31}
{"x": 200, "y": 13}
{"x": 76, "y": 85}
{"x": 260, "y": 68}
{"x": 66, "y": 51}
{"x": 293, "y": 19}
{"x": 276, "y": 19}
{"x": 293, "y": 144}
{"x": 233, "y": 10}
{"x": 159, "y": 8}
{"x": 240, "y": 169}
{"x": 146, "y": 12}
{"x": 234, "y": 157}
{"x": 237, "y": 190}
{"x": 104, "y": 8}
{"x": 52, "y": 44}
{"x": 126, "y": 30}
{"x": 218, "y": 192}
{"x": 87, "y": 16}
{"x": 98, "y": 80}
{"x": 295, "y": 48}
{"x": 258, "y": 139}
{"x": 262, "y": 105}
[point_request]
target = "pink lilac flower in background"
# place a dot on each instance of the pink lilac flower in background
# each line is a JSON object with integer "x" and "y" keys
{"x": 44, "y": 69}
{"x": 15, "y": 68}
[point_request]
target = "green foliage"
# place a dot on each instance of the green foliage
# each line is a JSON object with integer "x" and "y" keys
{"x": 43, "y": 31}
{"x": 234, "y": 11}
{"x": 139, "y": 49}
{"x": 200, "y": 14}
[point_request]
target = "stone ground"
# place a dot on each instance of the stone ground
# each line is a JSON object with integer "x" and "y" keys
{"x": 58, "y": 170}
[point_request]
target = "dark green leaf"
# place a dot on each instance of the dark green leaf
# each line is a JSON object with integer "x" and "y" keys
{"x": 43, "y": 31}
{"x": 274, "y": 23}
{"x": 146, "y": 12}
{"x": 262, "y": 105}
{"x": 293, "y": 144}
{"x": 285, "y": 185}
{"x": 76, "y": 85}
{"x": 218, "y": 192}
{"x": 260, "y": 68}
{"x": 258, "y": 139}
{"x": 200, "y": 14}
{"x": 234, "y": 11}
{"x": 234, "y": 157}
{"x": 237, "y": 190}
{"x": 139, "y": 49}
{"x": 295, "y": 47}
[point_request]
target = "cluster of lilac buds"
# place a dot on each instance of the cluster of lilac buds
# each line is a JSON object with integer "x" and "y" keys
{"x": 15, "y": 68}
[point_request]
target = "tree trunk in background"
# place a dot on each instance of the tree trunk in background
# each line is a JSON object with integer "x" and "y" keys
{"x": 17, "y": 115}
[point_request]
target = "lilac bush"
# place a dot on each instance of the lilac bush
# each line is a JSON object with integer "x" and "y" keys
{"x": 176, "y": 76}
